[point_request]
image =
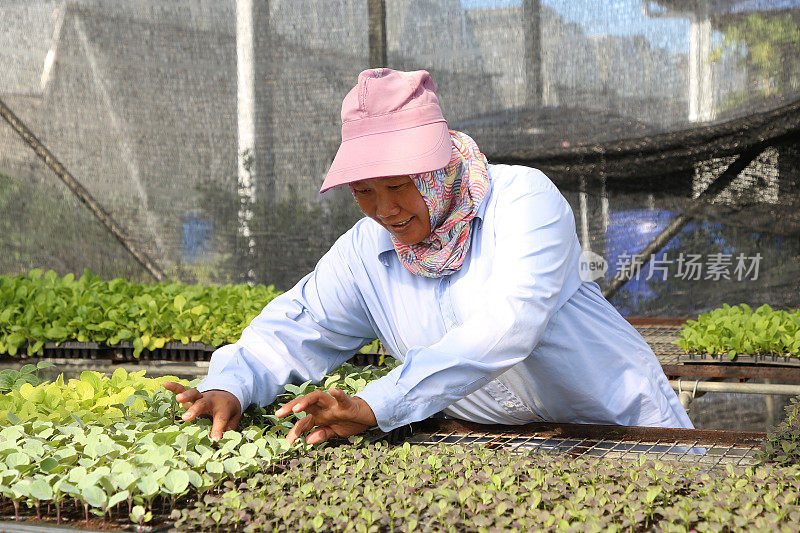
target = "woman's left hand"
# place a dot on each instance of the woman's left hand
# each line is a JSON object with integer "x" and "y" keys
{"x": 332, "y": 413}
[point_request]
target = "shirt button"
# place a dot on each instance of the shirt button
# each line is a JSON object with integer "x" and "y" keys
{"x": 393, "y": 421}
{"x": 509, "y": 404}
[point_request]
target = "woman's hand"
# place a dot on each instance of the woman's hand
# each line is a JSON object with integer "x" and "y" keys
{"x": 221, "y": 406}
{"x": 333, "y": 413}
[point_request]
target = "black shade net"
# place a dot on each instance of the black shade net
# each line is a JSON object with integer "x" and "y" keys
{"x": 205, "y": 129}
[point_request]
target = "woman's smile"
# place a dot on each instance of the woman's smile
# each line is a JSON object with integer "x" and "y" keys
{"x": 401, "y": 226}
{"x": 395, "y": 203}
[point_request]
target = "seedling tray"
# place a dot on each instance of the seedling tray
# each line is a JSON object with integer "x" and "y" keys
{"x": 172, "y": 351}
{"x": 78, "y": 350}
{"x": 723, "y": 359}
{"x": 123, "y": 352}
{"x": 705, "y": 447}
{"x": 365, "y": 359}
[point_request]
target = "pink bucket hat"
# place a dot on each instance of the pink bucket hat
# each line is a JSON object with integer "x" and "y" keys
{"x": 392, "y": 125}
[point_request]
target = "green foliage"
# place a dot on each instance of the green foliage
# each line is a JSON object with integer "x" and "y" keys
{"x": 453, "y": 488}
{"x": 738, "y": 329}
{"x": 92, "y": 399}
{"x": 103, "y": 441}
{"x": 11, "y": 379}
{"x": 129, "y": 459}
{"x": 783, "y": 442}
{"x": 37, "y": 308}
{"x": 768, "y": 44}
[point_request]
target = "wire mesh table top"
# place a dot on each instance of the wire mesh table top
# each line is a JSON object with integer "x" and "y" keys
{"x": 661, "y": 340}
{"x": 702, "y": 447}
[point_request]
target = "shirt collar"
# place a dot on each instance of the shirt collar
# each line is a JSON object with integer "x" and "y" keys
{"x": 386, "y": 246}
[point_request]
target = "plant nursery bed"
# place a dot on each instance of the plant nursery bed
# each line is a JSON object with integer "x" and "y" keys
{"x": 98, "y": 443}
{"x": 76, "y": 350}
{"x": 661, "y": 334}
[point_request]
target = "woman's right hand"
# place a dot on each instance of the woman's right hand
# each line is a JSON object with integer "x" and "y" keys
{"x": 221, "y": 406}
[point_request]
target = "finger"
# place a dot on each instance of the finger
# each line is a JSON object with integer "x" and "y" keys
{"x": 321, "y": 434}
{"x": 176, "y": 388}
{"x": 220, "y": 424}
{"x": 286, "y": 408}
{"x": 318, "y": 397}
{"x": 233, "y": 423}
{"x": 341, "y": 397}
{"x": 189, "y": 396}
{"x": 302, "y": 425}
{"x": 198, "y": 408}
{"x": 186, "y": 397}
{"x": 300, "y": 404}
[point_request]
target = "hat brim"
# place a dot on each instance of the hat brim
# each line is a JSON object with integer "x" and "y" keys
{"x": 394, "y": 153}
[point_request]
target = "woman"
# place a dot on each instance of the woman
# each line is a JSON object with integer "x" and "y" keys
{"x": 466, "y": 272}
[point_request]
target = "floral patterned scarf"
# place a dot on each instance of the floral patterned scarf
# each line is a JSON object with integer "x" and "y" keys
{"x": 453, "y": 196}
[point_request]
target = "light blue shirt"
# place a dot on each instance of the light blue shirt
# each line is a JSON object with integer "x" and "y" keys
{"x": 514, "y": 336}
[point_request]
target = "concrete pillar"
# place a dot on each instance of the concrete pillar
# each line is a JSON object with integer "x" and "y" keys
{"x": 376, "y": 11}
{"x": 701, "y": 105}
{"x": 254, "y": 120}
{"x": 532, "y": 18}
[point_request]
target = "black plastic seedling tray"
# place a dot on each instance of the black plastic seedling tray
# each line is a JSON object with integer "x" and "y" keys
{"x": 724, "y": 359}
{"x": 171, "y": 351}
{"x": 123, "y": 352}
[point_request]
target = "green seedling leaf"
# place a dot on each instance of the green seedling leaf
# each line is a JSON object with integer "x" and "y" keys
{"x": 17, "y": 459}
{"x": 41, "y": 490}
{"x": 137, "y": 514}
{"x": 49, "y": 464}
{"x": 94, "y": 496}
{"x": 248, "y": 450}
{"x": 7, "y": 379}
{"x": 178, "y": 303}
{"x": 118, "y": 498}
{"x": 214, "y": 467}
{"x": 148, "y": 486}
{"x": 195, "y": 479}
{"x": 124, "y": 480}
{"x": 176, "y": 482}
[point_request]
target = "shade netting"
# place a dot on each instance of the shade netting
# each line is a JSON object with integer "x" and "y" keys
{"x": 205, "y": 128}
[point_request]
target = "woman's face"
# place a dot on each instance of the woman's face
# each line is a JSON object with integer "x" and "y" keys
{"x": 395, "y": 203}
